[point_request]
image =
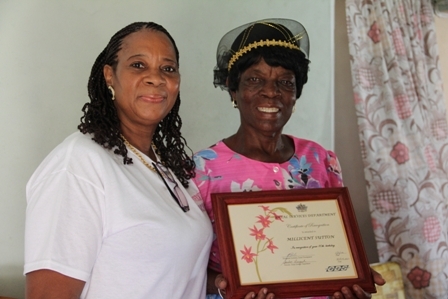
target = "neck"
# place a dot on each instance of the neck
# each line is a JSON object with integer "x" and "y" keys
{"x": 141, "y": 140}
{"x": 276, "y": 148}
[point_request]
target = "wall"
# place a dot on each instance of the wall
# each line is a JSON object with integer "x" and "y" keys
{"x": 48, "y": 47}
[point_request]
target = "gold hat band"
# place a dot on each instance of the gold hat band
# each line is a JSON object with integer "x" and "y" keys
{"x": 263, "y": 43}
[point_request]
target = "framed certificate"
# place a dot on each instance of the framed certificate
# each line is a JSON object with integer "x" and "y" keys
{"x": 298, "y": 243}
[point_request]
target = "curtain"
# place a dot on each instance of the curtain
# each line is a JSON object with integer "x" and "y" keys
{"x": 403, "y": 133}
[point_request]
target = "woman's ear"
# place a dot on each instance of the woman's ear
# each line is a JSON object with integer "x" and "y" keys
{"x": 108, "y": 74}
{"x": 232, "y": 94}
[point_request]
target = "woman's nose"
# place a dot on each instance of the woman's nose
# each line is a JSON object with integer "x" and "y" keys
{"x": 155, "y": 77}
{"x": 271, "y": 88}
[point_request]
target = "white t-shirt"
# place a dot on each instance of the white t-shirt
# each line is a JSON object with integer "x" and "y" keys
{"x": 115, "y": 226}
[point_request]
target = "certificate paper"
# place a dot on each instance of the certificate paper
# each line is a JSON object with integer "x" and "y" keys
{"x": 295, "y": 242}
{"x": 290, "y": 241}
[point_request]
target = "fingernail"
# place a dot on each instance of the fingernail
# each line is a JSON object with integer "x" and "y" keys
{"x": 265, "y": 291}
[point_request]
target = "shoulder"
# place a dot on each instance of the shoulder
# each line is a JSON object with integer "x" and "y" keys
{"x": 305, "y": 144}
{"x": 304, "y": 147}
{"x": 211, "y": 154}
{"x": 218, "y": 147}
{"x": 77, "y": 154}
{"x": 79, "y": 142}
{"x": 75, "y": 149}
{"x": 74, "y": 143}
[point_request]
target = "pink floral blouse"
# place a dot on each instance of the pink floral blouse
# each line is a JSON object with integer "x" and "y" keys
{"x": 219, "y": 169}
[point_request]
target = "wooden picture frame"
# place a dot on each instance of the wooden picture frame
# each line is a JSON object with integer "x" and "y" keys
{"x": 299, "y": 243}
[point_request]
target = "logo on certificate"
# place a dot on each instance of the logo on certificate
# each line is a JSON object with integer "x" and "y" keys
{"x": 337, "y": 268}
{"x": 301, "y": 207}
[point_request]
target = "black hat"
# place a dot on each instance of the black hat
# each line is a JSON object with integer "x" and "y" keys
{"x": 264, "y": 33}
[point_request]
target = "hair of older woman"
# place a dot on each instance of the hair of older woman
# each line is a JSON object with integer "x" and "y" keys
{"x": 275, "y": 56}
{"x": 101, "y": 118}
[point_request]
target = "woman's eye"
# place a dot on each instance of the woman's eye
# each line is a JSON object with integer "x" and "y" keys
{"x": 287, "y": 83}
{"x": 169, "y": 69}
{"x": 138, "y": 65}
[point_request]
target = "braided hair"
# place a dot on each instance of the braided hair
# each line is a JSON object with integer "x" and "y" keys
{"x": 101, "y": 119}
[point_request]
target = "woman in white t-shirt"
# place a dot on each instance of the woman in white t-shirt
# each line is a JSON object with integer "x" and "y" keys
{"x": 108, "y": 213}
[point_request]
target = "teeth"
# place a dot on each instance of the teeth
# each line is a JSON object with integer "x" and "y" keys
{"x": 268, "y": 110}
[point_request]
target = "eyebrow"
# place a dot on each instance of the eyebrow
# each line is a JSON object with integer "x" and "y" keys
{"x": 142, "y": 55}
{"x": 285, "y": 73}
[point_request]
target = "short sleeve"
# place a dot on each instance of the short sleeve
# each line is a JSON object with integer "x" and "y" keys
{"x": 64, "y": 224}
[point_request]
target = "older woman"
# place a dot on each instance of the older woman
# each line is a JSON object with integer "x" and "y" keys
{"x": 264, "y": 65}
{"x": 108, "y": 212}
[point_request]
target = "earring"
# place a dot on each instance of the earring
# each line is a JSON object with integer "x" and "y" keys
{"x": 112, "y": 92}
{"x": 293, "y": 108}
{"x": 235, "y": 105}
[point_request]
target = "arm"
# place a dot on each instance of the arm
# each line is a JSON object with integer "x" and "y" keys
{"x": 48, "y": 284}
{"x": 212, "y": 282}
{"x": 58, "y": 215}
{"x": 217, "y": 281}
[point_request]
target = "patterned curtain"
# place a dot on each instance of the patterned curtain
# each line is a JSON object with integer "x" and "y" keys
{"x": 404, "y": 136}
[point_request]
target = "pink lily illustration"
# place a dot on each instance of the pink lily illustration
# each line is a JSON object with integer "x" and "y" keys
{"x": 263, "y": 242}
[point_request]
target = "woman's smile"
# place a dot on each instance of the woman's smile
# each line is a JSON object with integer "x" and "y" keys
{"x": 264, "y": 101}
{"x": 268, "y": 109}
{"x": 153, "y": 98}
